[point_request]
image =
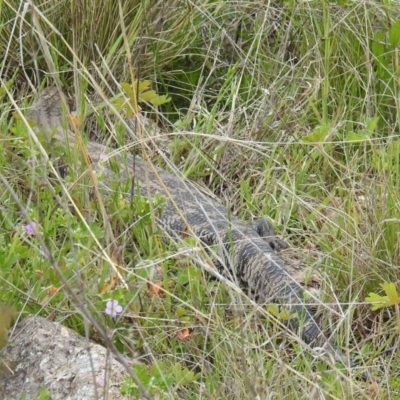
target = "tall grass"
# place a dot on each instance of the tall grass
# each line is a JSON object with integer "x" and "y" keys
{"x": 282, "y": 109}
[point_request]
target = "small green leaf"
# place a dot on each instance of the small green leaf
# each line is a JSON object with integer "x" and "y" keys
{"x": 97, "y": 231}
{"x": 359, "y": 136}
{"x": 44, "y": 394}
{"x": 119, "y": 103}
{"x": 377, "y": 46}
{"x": 394, "y": 34}
{"x": 182, "y": 376}
{"x": 377, "y": 300}
{"x": 371, "y": 124}
{"x": 127, "y": 89}
{"x": 160, "y": 100}
{"x": 286, "y": 315}
{"x": 273, "y": 309}
{"x": 180, "y": 312}
{"x": 318, "y": 135}
{"x": 7, "y": 315}
{"x": 183, "y": 123}
{"x": 8, "y": 84}
{"x": 143, "y": 85}
{"x": 131, "y": 105}
{"x": 148, "y": 96}
{"x": 391, "y": 292}
{"x": 283, "y": 313}
{"x": 392, "y": 298}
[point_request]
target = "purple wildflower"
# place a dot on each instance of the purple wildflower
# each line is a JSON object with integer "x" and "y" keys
{"x": 30, "y": 228}
{"x": 100, "y": 381}
{"x": 102, "y": 159}
{"x": 113, "y": 308}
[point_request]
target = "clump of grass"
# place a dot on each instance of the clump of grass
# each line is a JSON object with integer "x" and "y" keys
{"x": 288, "y": 110}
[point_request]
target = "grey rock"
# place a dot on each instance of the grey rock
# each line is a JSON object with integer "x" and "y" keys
{"x": 43, "y": 354}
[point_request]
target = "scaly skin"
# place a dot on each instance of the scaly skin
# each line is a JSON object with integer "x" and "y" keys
{"x": 244, "y": 256}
